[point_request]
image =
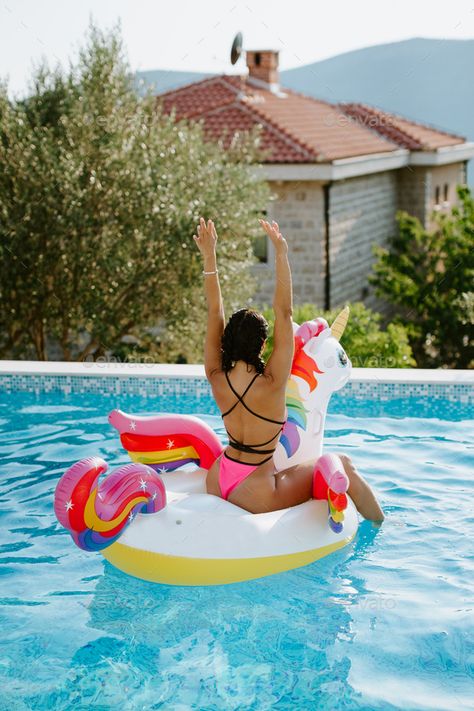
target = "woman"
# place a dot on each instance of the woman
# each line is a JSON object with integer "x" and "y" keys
{"x": 251, "y": 395}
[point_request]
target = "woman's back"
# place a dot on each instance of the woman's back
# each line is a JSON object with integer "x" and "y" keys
{"x": 253, "y": 410}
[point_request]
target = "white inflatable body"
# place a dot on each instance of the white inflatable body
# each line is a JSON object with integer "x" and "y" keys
{"x": 201, "y": 539}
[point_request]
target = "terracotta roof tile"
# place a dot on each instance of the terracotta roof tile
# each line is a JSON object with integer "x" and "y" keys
{"x": 317, "y": 125}
{"x": 279, "y": 147}
{"x": 407, "y": 134}
{"x": 297, "y": 128}
{"x": 197, "y": 98}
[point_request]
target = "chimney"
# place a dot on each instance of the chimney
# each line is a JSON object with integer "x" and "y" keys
{"x": 263, "y": 67}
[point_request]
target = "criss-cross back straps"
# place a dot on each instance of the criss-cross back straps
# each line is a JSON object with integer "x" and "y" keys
{"x": 240, "y": 399}
{"x": 252, "y": 448}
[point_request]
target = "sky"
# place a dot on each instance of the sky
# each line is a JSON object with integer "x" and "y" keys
{"x": 191, "y": 35}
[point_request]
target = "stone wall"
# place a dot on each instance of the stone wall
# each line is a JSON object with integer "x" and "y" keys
{"x": 299, "y": 211}
{"x": 362, "y": 213}
{"x": 445, "y": 178}
{"x": 417, "y": 189}
{"x": 414, "y": 190}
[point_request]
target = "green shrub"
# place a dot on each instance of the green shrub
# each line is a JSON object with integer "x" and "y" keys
{"x": 366, "y": 345}
{"x": 429, "y": 276}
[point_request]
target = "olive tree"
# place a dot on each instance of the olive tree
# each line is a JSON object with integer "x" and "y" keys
{"x": 100, "y": 193}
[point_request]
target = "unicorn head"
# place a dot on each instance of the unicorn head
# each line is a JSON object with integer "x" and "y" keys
{"x": 320, "y": 367}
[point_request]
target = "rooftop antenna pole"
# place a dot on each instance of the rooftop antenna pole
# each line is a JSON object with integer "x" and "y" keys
{"x": 236, "y": 53}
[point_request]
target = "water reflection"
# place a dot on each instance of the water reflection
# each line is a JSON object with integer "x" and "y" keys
{"x": 264, "y": 642}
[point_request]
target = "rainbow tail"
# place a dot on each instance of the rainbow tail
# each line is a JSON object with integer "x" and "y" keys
{"x": 330, "y": 483}
{"x": 95, "y": 515}
{"x": 167, "y": 442}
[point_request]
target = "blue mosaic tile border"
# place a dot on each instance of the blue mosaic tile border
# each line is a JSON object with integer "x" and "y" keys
{"x": 454, "y": 392}
{"x": 120, "y": 385}
{"x": 198, "y": 387}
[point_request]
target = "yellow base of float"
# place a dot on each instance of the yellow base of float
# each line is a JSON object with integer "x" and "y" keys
{"x": 201, "y": 539}
{"x": 176, "y": 570}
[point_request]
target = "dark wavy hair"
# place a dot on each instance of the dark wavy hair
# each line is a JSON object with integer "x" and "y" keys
{"x": 243, "y": 339}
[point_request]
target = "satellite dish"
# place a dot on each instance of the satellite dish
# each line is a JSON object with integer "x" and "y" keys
{"x": 236, "y": 50}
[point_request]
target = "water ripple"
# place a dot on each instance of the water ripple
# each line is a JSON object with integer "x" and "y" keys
{"x": 383, "y": 624}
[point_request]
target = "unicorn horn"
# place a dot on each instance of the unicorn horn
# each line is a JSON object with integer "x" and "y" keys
{"x": 339, "y": 323}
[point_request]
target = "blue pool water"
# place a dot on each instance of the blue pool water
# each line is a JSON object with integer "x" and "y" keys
{"x": 384, "y": 624}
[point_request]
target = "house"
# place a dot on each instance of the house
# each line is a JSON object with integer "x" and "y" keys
{"x": 339, "y": 171}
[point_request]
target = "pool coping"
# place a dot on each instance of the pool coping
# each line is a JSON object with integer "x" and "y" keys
{"x": 170, "y": 370}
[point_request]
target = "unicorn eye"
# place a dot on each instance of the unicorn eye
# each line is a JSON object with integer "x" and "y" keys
{"x": 342, "y": 357}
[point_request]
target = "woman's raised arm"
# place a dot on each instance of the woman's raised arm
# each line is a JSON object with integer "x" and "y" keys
{"x": 206, "y": 240}
{"x": 279, "y": 363}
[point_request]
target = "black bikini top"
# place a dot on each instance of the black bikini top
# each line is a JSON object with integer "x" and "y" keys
{"x": 250, "y": 448}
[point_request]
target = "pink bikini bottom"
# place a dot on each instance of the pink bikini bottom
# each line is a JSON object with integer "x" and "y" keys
{"x": 232, "y": 473}
{"x": 329, "y": 478}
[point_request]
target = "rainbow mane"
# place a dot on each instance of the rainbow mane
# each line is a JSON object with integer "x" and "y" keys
{"x": 290, "y": 437}
{"x": 303, "y": 367}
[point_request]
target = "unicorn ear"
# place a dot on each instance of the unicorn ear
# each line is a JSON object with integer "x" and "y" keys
{"x": 339, "y": 323}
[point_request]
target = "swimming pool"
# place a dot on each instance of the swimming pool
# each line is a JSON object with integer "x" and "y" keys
{"x": 385, "y": 623}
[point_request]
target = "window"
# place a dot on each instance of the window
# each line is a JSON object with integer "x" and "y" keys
{"x": 260, "y": 243}
{"x": 437, "y": 194}
{"x": 446, "y": 192}
{"x": 260, "y": 248}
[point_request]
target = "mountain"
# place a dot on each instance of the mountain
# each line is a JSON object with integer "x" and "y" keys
{"x": 426, "y": 80}
{"x": 161, "y": 80}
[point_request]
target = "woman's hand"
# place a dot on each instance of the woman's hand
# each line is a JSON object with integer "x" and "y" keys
{"x": 206, "y": 238}
{"x": 273, "y": 231}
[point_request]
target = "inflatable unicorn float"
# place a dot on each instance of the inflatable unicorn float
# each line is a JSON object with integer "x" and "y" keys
{"x": 154, "y": 519}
